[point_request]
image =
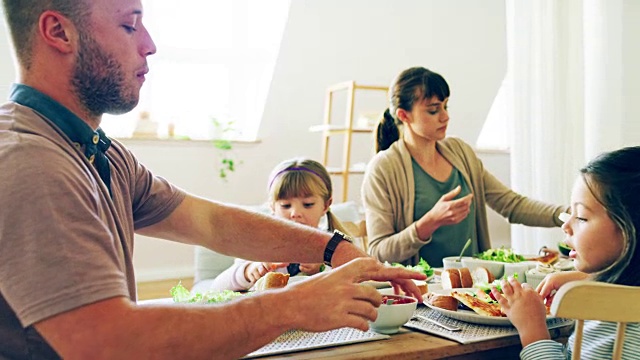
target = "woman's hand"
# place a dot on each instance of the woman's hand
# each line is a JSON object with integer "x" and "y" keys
{"x": 524, "y": 308}
{"x": 311, "y": 269}
{"x": 446, "y": 211}
{"x": 256, "y": 270}
{"x": 552, "y": 282}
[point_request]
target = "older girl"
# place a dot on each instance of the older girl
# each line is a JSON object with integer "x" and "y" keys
{"x": 603, "y": 232}
{"x": 299, "y": 190}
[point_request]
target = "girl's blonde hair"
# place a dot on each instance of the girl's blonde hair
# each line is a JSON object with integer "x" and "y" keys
{"x": 301, "y": 177}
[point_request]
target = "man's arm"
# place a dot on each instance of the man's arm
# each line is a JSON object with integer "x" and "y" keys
{"x": 234, "y": 231}
{"x": 116, "y": 328}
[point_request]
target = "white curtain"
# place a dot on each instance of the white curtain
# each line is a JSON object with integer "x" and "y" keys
{"x": 565, "y": 103}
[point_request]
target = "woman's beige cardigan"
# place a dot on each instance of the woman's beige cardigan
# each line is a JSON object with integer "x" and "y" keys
{"x": 388, "y": 193}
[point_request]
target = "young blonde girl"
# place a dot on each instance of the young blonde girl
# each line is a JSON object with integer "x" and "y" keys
{"x": 602, "y": 230}
{"x": 299, "y": 190}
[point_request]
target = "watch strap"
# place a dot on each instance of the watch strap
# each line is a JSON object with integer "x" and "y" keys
{"x": 337, "y": 237}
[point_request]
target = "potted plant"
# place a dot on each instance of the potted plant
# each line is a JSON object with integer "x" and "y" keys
{"x": 222, "y": 135}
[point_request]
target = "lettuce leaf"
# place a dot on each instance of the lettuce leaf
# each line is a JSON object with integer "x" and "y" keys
{"x": 180, "y": 294}
{"x": 501, "y": 255}
{"x": 422, "y": 267}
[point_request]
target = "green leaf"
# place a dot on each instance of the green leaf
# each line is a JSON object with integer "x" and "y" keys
{"x": 422, "y": 267}
{"x": 181, "y": 295}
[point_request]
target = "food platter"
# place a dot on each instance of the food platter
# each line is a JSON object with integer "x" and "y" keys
{"x": 468, "y": 315}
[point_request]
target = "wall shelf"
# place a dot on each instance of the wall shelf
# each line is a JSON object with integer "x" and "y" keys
{"x": 330, "y": 128}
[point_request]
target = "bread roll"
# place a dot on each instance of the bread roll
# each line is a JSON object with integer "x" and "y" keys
{"x": 482, "y": 275}
{"x": 465, "y": 277}
{"x": 443, "y": 301}
{"x": 272, "y": 280}
{"x": 422, "y": 286}
{"x": 451, "y": 279}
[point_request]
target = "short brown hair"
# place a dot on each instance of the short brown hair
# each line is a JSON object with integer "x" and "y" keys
{"x": 22, "y": 19}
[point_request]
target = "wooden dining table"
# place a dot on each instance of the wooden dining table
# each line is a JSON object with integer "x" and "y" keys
{"x": 412, "y": 344}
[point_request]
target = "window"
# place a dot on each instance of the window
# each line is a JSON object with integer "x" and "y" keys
{"x": 215, "y": 60}
{"x": 495, "y": 131}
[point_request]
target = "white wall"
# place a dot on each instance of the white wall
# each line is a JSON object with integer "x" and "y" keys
{"x": 631, "y": 72}
{"x": 329, "y": 41}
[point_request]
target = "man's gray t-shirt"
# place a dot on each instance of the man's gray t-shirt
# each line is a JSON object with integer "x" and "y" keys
{"x": 64, "y": 241}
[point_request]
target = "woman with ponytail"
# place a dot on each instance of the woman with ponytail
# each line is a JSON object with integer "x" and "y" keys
{"x": 425, "y": 193}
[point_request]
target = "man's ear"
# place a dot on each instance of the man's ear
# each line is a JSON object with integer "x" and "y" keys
{"x": 402, "y": 115}
{"x": 57, "y": 31}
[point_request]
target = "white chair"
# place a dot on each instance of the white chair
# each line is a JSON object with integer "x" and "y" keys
{"x": 591, "y": 300}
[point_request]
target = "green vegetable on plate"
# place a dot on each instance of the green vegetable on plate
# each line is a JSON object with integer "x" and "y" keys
{"x": 422, "y": 267}
{"x": 501, "y": 255}
{"x": 180, "y": 294}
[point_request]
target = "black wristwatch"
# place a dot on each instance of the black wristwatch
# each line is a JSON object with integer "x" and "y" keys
{"x": 333, "y": 244}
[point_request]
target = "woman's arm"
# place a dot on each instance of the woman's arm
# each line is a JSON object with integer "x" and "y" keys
{"x": 519, "y": 209}
{"x": 389, "y": 238}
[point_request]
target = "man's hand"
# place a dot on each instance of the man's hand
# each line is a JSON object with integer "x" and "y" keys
{"x": 336, "y": 298}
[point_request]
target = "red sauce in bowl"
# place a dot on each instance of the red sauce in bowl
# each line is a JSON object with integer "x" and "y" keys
{"x": 397, "y": 299}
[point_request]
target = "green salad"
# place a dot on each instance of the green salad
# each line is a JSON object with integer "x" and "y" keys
{"x": 501, "y": 254}
{"x": 180, "y": 294}
{"x": 422, "y": 267}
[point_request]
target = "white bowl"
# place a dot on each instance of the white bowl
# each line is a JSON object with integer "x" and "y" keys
{"x": 535, "y": 277}
{"x": 451, "y": 262}
{"x": 521, "y": 268}
{"x": 391, "y": 317}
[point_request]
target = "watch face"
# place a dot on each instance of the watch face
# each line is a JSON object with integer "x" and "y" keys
{"x": 344, "y": 236}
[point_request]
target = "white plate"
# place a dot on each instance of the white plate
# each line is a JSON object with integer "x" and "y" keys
{"x": 297, "y": 278}
{"x": 468, "y": 315}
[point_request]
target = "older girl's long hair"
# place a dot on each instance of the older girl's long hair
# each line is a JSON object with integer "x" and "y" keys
{"x": 302, "y": 177}
{"x": 614, "y": 180}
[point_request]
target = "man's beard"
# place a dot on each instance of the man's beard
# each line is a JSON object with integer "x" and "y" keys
{"x": 98, "y": 80}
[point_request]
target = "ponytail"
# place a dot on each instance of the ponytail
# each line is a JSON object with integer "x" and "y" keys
{"x": 387, "y": 132}
{"x": 335, "y": 224}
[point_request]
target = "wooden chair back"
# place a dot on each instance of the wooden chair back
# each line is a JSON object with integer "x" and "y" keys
{"x": 591, "y": 300}
{"x": 358, "y": 230}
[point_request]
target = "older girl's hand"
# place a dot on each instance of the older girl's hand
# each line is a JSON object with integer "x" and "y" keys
{"x": 524, "y": 308}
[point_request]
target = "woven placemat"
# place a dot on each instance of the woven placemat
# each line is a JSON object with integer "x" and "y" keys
{"x": 298, "y": 340}
{"x": 470, "y": 332}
